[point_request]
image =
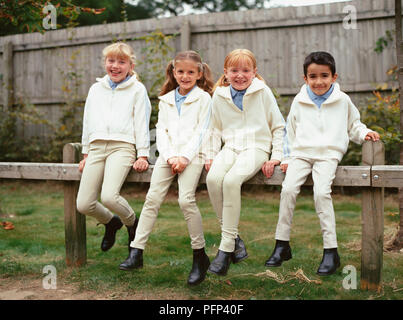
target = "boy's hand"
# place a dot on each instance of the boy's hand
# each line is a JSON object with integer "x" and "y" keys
{"x": 181, "y": 165}
{"x": 141, "y": 164}
{"x": 81, "y": 165}
{"x": 208, "y": 164}
{"x": 268, "y": 167}
{"x": 284, "y": 167}
{"x": 373, "y": 135}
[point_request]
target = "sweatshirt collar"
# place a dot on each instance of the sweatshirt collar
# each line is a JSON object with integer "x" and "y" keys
{"x": 256, "y": 85}
{"x": 303, "y": 95}
{"x": 105, "y": 81}
{"x": 192, "y": 96}
{"x": 319, "y": 99}
{"x": 113, "y": 85}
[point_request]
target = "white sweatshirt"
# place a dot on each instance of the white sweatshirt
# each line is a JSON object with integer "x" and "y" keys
{"x": 184, "y": 134}
{"x": 122, "y": 114}
{"x": 260, "y": 125}
{"x": 325, "y": 132}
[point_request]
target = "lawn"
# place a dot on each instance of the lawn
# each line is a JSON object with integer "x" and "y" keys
{"x": 37, "y": 240}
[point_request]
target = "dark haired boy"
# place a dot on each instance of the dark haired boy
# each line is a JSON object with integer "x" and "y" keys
{"x": 321, "y": 122}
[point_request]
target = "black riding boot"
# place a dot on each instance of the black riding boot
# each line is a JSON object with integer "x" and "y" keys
{"x": 330, "y": 262}
{"x": 110, "y": 233}
{"x": 133, "y": 261}
{"x": 132, "y": 231}
{"x": 281, "y": 252}
{"x": 240, "y": 251}
{"x": 200, "y": 265}
{"x": 221, "y": 262}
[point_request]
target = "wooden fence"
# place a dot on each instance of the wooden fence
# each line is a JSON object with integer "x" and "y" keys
{"x": 32, "y": 65}
{"x": 371, "y": 177}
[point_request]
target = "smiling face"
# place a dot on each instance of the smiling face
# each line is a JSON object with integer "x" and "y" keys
{"x": 319, "y": 78}
{"x": 186, "y": 73}
{"x": 240, "y": 75}
{"x": 118, "y": 68}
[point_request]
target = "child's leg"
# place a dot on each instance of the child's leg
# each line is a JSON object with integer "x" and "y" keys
{"x": 323, "y": 174}
{"x": 247, "y": 164}
{"x": 90, "y": 184}
{"x": 297, "y": 172}
{"x": 161, "y": 179}
{"x": 221, "y": 165}
{"x": 187, "y": 183}
{"x": 119, "y": 161}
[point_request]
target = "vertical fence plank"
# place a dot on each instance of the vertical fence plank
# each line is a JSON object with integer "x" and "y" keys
{"x": 8, "y": 92}
{"x": 185, "y": 36}
{"x": 74, "y": 222}
{"x": 373, "y": 153}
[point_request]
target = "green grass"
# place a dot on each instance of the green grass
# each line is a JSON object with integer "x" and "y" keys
{"x": 36, "y": 209}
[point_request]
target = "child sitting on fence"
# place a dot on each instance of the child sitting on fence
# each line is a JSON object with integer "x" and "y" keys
{"x": 321, "y": 121}
{"x": 115, "y": 128}
{"x": 247, "y": 119}
{"x": 182, "y": 128}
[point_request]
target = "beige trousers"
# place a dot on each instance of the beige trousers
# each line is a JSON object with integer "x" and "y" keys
{"x": 230, "y": 169}
{"x": 323, "y": 174}
{"x": 161, "y": 180}
{"x": 105, "y": 171}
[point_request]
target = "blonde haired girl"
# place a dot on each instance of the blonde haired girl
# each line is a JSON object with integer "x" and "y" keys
{"x": 115, "y": 130}
{"x": 247, "y": 120}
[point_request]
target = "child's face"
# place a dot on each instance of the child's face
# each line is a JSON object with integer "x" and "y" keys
{"x": 240, "y": 76}
{"x": 319, "y": 78}
{"x": 186, "y": 73}
{"x": 118, "y": 68}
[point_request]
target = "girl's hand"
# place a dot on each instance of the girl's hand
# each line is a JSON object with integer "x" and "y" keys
{"x": 373, "y": 135}
{"x": 208, "y": 164}
{"x": 141, "y": 164}
{"x": 284, "y": 167}
{"x": 172, "y": 162}
{"x": 268, "y": 167}
{"x": 181, "y": 165}
{"x": 81, "y": 165}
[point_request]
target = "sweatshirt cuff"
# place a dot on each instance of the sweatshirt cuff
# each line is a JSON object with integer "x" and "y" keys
{"x": 276, "y": 156}
{"x": 167, "y": 155}
{"x": 188, "y": 155}
{"x": 285, "y": 161}
{"x": 143, "y": 153}
{"x": 85, "y": 149}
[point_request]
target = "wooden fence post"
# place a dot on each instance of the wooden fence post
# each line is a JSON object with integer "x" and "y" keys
{"x": 8, "y": 92}
{"x": 74, "y": 222}
{"x": 373, "y": 153}
{"x": 185, "y": 36}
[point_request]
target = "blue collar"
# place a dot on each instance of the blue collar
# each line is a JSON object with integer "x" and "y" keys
{"x": 115, "y": 84}
{"x": 179, "y": 99}
{"x": 237, "y": 97}
{"x": 318, "y": 100}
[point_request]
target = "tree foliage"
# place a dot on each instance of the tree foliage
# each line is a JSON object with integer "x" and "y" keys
{"x": 176, "y": 7}
{"x": 21, "y": 16}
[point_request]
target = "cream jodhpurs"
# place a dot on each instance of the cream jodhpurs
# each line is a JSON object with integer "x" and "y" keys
{"x": 323, "y": 174}
{"x": 161, "y": 180}
{"x": 106, "y": 169}
{"x": 230, "y": 169}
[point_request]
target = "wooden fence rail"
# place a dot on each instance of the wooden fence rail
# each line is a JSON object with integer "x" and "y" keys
{"x": 371, "y": 177}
